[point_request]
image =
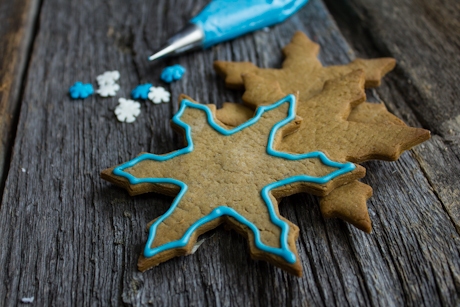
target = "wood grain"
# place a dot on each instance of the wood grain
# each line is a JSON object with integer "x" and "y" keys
{"x": 71, "y": 239}
{"x": 424, "y": 37}
{"x": 17, "y": 28}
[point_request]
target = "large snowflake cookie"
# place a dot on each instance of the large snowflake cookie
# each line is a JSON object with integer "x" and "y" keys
{"x": 232, "y": 176}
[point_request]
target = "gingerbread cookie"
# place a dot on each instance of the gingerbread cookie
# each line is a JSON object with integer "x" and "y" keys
{"x": 348, "y": 202}
{"x": 234, "y": 114}
{"x": 303, "y": 72}
{"x": 326, "y": 128}
{"x": 233, "y": 177}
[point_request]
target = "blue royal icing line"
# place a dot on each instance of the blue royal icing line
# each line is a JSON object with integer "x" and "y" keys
{"x": 220, "y": 211}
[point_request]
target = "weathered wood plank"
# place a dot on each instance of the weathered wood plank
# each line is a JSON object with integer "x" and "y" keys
{"x": 443, "y": 170}
{"x": 16, "y": 35}
{"x": 71, "y": 239}
{"x": 424, "y": 37}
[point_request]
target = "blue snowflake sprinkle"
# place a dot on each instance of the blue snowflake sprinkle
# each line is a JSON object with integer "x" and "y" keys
{"x": 141, "y": 91}
{"x": 80, "y": 90}
{"x": 172, "y": 73}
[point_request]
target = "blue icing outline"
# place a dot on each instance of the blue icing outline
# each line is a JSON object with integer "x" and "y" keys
{"x": 220, "y": 211}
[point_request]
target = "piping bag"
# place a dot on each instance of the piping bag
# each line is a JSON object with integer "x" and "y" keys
{"x": 222, "y": 20}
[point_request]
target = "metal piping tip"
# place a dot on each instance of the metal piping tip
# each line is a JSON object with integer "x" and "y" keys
{"x": 189, "y": 38}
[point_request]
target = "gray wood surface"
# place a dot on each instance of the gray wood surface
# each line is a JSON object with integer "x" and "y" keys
{"x": 424, "y": 38}
{"x": 17, "y": 29}
{"x": 71, "y": 239}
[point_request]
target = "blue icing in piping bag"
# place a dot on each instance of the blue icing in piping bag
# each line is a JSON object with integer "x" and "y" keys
{"x": 222, "y": 20}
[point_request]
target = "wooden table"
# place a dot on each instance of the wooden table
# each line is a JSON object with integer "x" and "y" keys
{"x": 69, "y": 238}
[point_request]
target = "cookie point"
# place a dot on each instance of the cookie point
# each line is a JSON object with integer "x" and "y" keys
{"x": 351, "y": 166}
{"x": 290, "y": 257}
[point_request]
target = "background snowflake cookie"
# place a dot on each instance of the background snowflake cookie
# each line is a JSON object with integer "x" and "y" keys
{"x": 229, "y": 176}
{"x": 327, "y": 128}
{"x": 358, "y": 131}
{"x": 302, "y": 71}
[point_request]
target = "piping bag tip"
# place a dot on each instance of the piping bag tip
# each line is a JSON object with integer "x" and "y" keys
{"x": 157, "y": 55}
{"x": 222, "y": 20}
{"x": 189, "y": 38}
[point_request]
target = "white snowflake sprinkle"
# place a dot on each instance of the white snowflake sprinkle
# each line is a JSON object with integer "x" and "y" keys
{"x": 108, "y": 90}
{"x": 159, "y": 94}
{"x": 108, "y": 78}
{"x": 127, "y": 110}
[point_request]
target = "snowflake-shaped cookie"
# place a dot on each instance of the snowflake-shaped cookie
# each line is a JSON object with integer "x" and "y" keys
{"x": 108, "y": 90}
{"x": 172, "y": 73}
{"x": 108, "y": 78}
{"x": 236, "y": 181}
{"x": 127, "y": 110}
{"x": 158, "y": 94}
{"x": 80, "y": 90}
{"x": 141, "y": 91}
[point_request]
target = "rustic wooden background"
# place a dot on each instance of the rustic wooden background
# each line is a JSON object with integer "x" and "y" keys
{"x": 69, "y": 238}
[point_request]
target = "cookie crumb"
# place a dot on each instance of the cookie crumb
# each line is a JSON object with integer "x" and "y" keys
{"x": 27, "y": 300}
{"x": 196, "y": 246}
